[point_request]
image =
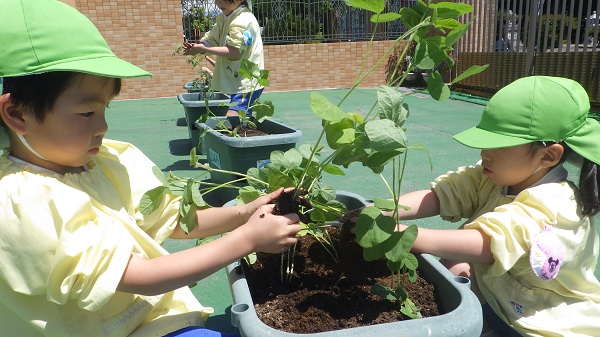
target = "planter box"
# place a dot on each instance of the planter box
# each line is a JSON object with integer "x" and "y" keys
{"x": 461, "y": 315}
{"x": 238, "y": 154}
{"x": 194, "y": 107}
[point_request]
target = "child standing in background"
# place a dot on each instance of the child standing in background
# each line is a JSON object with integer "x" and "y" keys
{"x": 529, "y": 245}
{"x": 235, "y": 36}
{"x": 77, "y": 257}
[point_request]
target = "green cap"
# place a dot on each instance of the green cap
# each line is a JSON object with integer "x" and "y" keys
{"x": 39, "y": 36}
{"x": 537, "y": 108}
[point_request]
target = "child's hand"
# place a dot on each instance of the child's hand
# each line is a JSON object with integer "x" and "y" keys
{"x": 270, "y": 233}
{"x": 191, "y": 48}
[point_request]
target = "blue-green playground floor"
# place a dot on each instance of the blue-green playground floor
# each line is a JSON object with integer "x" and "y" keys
{"x": 157, "y": 127}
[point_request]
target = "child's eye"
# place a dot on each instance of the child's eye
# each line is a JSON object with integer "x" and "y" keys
{"x": 87, "y": 114}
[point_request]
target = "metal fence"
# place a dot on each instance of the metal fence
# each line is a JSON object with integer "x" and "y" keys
{"x": 310, "y": 21}
{"x": 520, "y": 38}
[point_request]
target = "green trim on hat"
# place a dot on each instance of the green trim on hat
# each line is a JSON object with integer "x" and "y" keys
{"x": 39, "y": 36}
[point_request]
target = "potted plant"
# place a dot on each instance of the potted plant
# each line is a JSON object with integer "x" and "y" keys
{"x": 235, "y": 144}
{"x": 200, "y": 99}
{"x": 377, "y": 140}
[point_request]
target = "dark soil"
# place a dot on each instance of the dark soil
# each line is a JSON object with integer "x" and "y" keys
{"x": 245, "y": 131}
{"x": 324, "y": 295}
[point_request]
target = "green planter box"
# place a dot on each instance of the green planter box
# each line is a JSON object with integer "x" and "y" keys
{"x": 195, "y": 107}
{"x": 238, "y": 154}
{"x": 461, "y": 316}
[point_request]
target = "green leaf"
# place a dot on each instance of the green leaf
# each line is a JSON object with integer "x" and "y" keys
{"x": 451, "y": 10}
{"x": 410, "y": 16}
{"x": 188, "y": 220}
{"x": 263, "y": 110}
{"x": 278, "y": 179}
{"x": 383, "y": 292}
{"x": 339, "y": 133}
{"x": 158, "y": 173}
{"x": 455, "y": 34}
{"x": 326, "y": 110}
{"x": 152, "y": 199}
{"x": 377, "y": 159}
{"x": 473, "y": 70}
{"x": 419, "y": 146}
{"x": 375, "y": 6}
{"x": 248, "y": 194}
{"x": 385, "y": 136}
{"x": 385, "y": 17}
{"x": 384, "y": 204}
{"x": 372, "y": 253}
{"x": 447, "y": 24}
{"x": 391, "y": 105}
{"x": 292, "y": 158}
{"x": 349, "y": 154}
{"x": 437, "y": 88}
{"x": 372, "y": 228}
{"x": 334, "y": 169}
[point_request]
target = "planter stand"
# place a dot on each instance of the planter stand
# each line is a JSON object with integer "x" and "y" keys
{"x": 238, "y": 154}
{"x": 462, "y": 316}
{"x": 194, "y": 107}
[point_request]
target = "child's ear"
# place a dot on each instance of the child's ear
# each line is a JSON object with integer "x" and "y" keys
{"x": 552, "y": 155}
{"x": 12, "y": 115}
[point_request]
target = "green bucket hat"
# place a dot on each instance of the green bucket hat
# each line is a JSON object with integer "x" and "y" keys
{"x": 537, "y": 108}
{"x": 39, "y": 36}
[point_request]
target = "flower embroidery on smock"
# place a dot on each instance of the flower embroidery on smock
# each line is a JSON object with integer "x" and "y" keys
{"x": 546, "y": 254}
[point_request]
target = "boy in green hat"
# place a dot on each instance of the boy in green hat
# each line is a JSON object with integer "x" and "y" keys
{"x": 529, "y": 245}
{"x": 77, "y": 257}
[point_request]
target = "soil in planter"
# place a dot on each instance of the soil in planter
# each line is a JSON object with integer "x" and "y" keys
{"x": 244, "y": 131}
{"x": 324, "y": 295}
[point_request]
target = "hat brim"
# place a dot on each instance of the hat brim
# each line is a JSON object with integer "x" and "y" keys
{"x": 585, "y": 141}
{"x": 107, "y": 66}
{"x": 478, "y": 138}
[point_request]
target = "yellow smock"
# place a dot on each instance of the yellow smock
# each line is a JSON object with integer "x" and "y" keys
{"x": 568, "y": 305}
{"x": 229, "y": 31}
{"x": 65, "y": 241}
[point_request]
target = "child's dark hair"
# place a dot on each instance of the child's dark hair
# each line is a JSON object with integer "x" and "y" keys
{"x": 589, "y": 180}
{"x": 38, "y": 93}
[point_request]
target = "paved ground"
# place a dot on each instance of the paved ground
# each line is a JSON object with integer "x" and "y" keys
{"x": 157, "y": 127}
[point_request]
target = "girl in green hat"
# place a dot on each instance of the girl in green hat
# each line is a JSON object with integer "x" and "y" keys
{"x": 77, "y": 255}
{"x": 529, "y": 245}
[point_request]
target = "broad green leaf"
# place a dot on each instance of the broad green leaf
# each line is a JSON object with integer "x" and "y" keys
{"x": 372, "y": 228}
{"x": 384, "y": 204}
{"x": 372, "y": 253}
{"x": 451, "y": 10}
{"x": 470, "y": 72}
{"x": 455, "y": 34}
{"x": 152, "y": 199}
{"x": 385, "y": 136}
{"x": 410, "y": 16}
{"x": 349, "y": 154}
{"x": 188, "y": 220}
{"x": 276, "y": 159}
{"x": 333, "y": 169}
{"x": 385, "y": 17}
{"x": 292, "y": 158}
{"x": 391, "y": 106}
{"x": 410, "y": 262}
{"x": 383, "y": 292}
{"x": 158, "y": 173}
{"x": 197, "y": 196}
{"x": 248, "y": 194}
{"x": 437, "y": 88}
{"x": 326, "y": 110}
{"x": 393, "y": 247}
{"x": 339, "y": 133}
{"x": 249, "y": 70}
{"x": 278, "y": 179}
{"x": 263, "y": 110}
{"x": 375, "y": 6}
{"x": 378, "y": 159}
{"x": 428, "y": 55}
{"x": 409, "y": 309}
{"x": 447, "y": 23}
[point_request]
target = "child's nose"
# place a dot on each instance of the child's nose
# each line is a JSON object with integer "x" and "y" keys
{"x": 101, "y": 127}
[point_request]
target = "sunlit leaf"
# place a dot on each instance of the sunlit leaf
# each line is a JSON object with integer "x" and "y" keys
{"x": 437, "y": 88}
{"x": 385, "y": 17}
{"x": 326, "y": 110}
{"x": 152, "y": 199}
{"x": 375, "y": 6}
{"x": 473, "y": 70}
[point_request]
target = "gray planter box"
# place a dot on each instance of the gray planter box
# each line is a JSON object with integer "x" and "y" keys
{"x": 195, "y": 107}
{"x": 462, "y": 316}
{"x": 238, "y": 154}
